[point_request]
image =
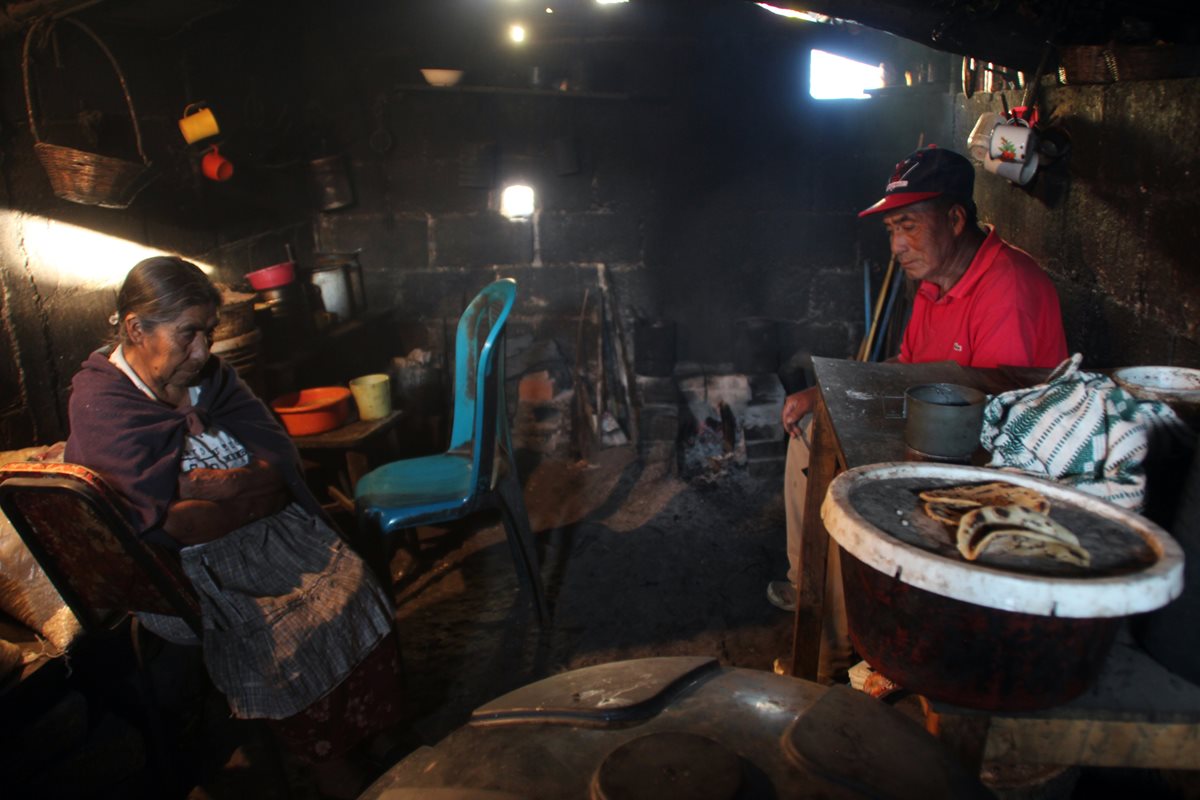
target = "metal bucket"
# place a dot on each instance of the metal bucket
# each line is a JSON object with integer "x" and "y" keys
{"x": 334, "y": 288}
{"x": 943, "y": 420}
{"x": 354, "y": 277}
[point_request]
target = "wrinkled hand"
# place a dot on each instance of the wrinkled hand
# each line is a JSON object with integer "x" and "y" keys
{"x": 795, "y": 408}
{"x": 213, "y": 502}
{"x": 228, "y": 484}
{"x": 195, "y": 521}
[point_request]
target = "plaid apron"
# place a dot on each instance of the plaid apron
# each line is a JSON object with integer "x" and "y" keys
{"x": 288, "y": 610}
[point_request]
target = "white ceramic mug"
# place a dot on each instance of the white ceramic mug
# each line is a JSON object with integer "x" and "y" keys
{"x": 980, "y": 141}
{"x": 1013, "y": 141}
{"x": 1019, "y": 174}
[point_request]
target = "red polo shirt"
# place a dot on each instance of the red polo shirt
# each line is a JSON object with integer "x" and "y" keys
{"x": 1003, "y": 311}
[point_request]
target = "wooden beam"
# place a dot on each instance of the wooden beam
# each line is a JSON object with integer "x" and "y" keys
{"x": 1001, "y": 36}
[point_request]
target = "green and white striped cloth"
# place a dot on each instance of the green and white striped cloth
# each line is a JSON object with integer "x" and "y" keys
{"x": 1080, "y": 429}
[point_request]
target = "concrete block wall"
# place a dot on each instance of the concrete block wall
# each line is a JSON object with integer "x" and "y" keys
{"x": 686, "y": 158}
{"x": 1113, "y": 223}
{"x": 707, "y": 201}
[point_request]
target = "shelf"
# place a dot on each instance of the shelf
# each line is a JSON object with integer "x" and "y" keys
{"x": 505, "y": 90}
{"x": 905, "y": 91}
{"x": 314, "y": 343}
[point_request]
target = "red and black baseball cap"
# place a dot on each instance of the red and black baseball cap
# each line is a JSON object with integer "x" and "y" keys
{"x": 929, "y": 172}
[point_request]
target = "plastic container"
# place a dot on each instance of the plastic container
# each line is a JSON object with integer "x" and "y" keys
{"x": 372, "y": 395}
{"x": 311, "y": 411}
{"x": 273, "y": 277}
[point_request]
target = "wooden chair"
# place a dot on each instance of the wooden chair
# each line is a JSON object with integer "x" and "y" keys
{"x": 73, "y": 524}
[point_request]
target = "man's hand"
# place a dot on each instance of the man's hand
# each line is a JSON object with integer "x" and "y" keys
{"x": 795, "y": 408}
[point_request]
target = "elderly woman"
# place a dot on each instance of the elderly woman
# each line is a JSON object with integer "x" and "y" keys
{"x": 295, "y": 627}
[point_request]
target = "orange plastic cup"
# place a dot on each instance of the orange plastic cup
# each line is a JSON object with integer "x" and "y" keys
{"x": 215, "y": 166}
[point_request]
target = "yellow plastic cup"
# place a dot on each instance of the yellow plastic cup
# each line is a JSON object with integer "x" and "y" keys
{"x": 198, "y": 123}
{"x": 372, "y": 395}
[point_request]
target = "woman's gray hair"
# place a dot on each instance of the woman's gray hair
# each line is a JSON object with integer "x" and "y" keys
{"x": 161, "y": 288}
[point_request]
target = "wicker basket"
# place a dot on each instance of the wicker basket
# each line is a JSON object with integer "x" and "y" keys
{"x": 1155, "y": 62}
{"x": 1086, "y": 64}
{"x": 79, "y": 176}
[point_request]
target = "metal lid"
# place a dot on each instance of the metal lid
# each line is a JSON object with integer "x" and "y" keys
{"x": 874, "y": 513}
{"x": 682, "y": 727}
{"x": 668, "y": 764}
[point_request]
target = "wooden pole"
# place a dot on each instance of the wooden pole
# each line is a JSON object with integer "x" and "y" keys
{"x": 864, "y": 352}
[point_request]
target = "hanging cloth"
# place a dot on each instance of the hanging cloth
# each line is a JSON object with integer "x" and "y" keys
{"x": 1081, "y": 429}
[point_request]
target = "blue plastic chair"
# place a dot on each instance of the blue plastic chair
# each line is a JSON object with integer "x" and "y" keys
{"x": 477, "y": 470}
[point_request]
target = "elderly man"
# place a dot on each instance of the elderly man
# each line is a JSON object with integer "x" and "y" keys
{"x": 980, "y": 302}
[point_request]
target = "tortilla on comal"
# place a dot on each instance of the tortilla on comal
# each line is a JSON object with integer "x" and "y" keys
{"x": 996, "y": 493}
{"x": 1016, "y": 530}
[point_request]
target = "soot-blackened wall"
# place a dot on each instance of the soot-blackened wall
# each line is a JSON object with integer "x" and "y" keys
{"x": 1115, "y": 222}
{"x": 676, "y": 146}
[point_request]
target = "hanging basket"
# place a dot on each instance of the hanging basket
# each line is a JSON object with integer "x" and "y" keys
{"x": 76, "y": 175}
{"x": 1155, "y": 62}
{"x": 1086, "y": 64}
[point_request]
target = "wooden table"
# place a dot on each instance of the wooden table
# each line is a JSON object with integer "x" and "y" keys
{"x": 858, "y": 420}
{"x": 1136, "y": 715}
{"x": 355, "y": 441}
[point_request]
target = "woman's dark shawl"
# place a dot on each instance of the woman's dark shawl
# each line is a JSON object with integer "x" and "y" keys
{"x": 135, "y": 442}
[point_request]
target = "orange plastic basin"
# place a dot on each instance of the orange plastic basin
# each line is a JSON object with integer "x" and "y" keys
{"x": 312, "y": 411}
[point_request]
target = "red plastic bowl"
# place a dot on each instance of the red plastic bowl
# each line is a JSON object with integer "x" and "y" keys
{"x": 311, "y": 411}
{"x": 272, "y": 277}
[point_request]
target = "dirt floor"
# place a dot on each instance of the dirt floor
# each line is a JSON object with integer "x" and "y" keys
{"x": 636, "y": 562}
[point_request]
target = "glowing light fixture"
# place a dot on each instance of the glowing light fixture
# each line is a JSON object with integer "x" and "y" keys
{"x": 791, "y": 13}
{"x": 610, "y": 2}
{"x": 517, "y": 33}
{"x": 516, "y": 201}
{"x": 549, "y": 10}
{"x": 839, "y": 78}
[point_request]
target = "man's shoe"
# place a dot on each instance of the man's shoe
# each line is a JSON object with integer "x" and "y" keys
{"x": 782, "y": 594}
